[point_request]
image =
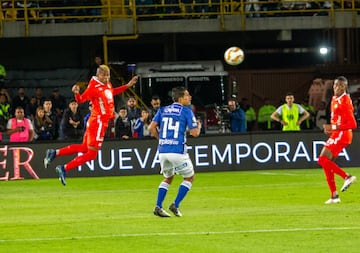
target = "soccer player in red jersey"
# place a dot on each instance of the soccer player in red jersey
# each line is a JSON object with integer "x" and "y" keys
{"x": 100, "y": 93}
{"x": 340, "y": 131}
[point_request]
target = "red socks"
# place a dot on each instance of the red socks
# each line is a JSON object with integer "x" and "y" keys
{"x": 330, "y": 169}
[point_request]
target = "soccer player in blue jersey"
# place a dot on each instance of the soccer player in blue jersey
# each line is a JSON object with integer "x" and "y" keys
{"x": 169, "y": 126}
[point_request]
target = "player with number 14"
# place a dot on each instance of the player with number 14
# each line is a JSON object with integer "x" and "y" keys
{"x": 169, "y": 126}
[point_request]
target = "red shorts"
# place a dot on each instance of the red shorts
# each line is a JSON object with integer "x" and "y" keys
{"x": 95, "y": 131}
{"x": 338, "y": 141}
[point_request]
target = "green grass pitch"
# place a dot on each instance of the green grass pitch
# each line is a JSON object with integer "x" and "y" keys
{"x": 252, "y": 211}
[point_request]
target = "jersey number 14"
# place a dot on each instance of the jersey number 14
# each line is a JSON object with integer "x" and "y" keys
{"x": 170, "y": 127}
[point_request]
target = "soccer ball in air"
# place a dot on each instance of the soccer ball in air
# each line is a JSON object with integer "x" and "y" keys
{"x": 234, "y": 56}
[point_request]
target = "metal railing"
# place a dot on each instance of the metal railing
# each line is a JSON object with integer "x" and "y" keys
{"x": 42, "y": 11}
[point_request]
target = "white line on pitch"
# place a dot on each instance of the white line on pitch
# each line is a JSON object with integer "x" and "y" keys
{"x": 283, "y": 174}
{"x": 280, "y": 230}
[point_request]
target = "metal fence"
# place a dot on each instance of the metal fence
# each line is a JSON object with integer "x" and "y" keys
{"x": 54, "y": 11}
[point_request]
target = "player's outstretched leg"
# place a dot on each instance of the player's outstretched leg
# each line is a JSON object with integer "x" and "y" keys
{"x": 50, "y": 155}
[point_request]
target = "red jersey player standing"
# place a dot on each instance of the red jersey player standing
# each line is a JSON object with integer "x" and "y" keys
{"x": 100, "y": 93}
{"x": 340, "y": 131}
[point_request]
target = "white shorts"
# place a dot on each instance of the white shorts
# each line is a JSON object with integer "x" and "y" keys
{"x": 172, "y": 164}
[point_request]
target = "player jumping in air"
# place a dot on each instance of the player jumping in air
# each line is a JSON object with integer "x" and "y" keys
{"x": 340, "y": 131}
{"x": 100, "y": 93}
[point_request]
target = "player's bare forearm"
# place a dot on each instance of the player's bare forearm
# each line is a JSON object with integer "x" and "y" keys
{"x": 196, "y": 131}
{"x": 328, "y": 128}
{"x": 153, "y": 130}
{"x": 132, "y": 82}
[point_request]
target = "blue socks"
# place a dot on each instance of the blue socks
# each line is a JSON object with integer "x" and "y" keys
{"x": 162, "y": 190}
{"x": 185, "y": 186}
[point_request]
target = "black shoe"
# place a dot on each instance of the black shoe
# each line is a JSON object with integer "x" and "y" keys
{"x": 61, "y": 173}
{"x": 175, "y": 210}
{"x": 348, "y": 181}
{"x": 158, "y": 211}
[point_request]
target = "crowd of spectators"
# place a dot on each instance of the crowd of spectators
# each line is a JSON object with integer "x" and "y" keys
{"x": 57, "y": 118}
{"x": 93, "y": 10}
{"x": 52, "y": 11}
{"x": 35, "y": 117}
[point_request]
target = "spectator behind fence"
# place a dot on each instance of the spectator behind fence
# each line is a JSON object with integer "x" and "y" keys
{"x": 4, "y": 111}
{"x": 76, "y": 10}
{"x": 73, "y": 122}
{"x": 10, "y": 12}
{"x": 155, "y": 105}
{"x": 32, "y": 7}
{"x": 46, "y": 13}
{"x": 94, "y": 11}
{"x": 4, "y": 114}
{"x": 39, "y": 95}
{"x": 94, "y": 66}
{"x": 264, "y": 116}
{"x": 252, "y": 6}
{"x": 133, "y": 112}
{"x": 288, "y": 114}
{"x": 236, "y": 116}
{"x": 250, "y": 114}
{"x": 141, "y": 126}
{"x": 2, "y": 76}
{"x": 20, "y": 128}
{"x": 7, "y": 95}
{"x": 43, "y": 126}
{"x": 123, "y": 129}
{"x": 47, "y": 105}
{"x": 30, "y": 110}
{"x": 59, "y": 103}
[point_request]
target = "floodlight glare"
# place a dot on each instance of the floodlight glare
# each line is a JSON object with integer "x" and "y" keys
{"x": 323, "y": 50}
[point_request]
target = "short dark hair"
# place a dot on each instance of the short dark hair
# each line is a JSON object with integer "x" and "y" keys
{"x": 177, "y": 92}
{"x": 342, "y": 79}
{"x": 155, "y": 97}
{"x": 47, "y": 99}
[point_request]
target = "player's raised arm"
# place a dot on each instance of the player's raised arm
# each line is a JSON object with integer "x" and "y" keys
{"x": 122, "y": 88}
{"x": 132, "y": 82}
